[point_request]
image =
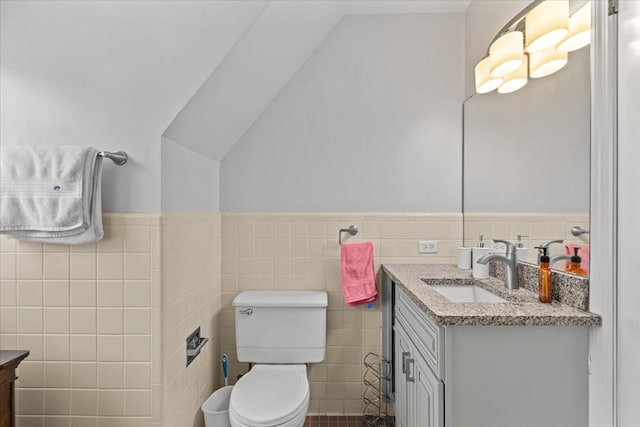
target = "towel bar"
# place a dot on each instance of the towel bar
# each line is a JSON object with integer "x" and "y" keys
{"x": 119, "y": 157}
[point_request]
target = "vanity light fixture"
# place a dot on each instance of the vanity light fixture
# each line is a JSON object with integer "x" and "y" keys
{"x": 505, "y": 54}
{"x": 547, "y": 25}
{"x": 484, "y": 82}
{"x": 542, "y": 64}
{"x": 579, "y": 30}
{"x": 533, "y": 44}
{"x": 517, "y": 79}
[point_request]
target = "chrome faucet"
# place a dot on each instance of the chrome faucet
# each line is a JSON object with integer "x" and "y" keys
{"x": 546, "y": 245}
{"x": 557, "y": 258}
{"x": 509, "y": 259}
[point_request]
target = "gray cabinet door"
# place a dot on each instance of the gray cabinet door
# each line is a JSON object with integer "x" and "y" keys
{"x": 419, "y": 393}
{"x": 429, "y": 396}
{"x": 402, "y": 351}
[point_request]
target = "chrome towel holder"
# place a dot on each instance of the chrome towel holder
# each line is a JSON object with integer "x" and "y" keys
{"x": 576, "y": 230}
{"x": 352, "y": 229}
{"x": 119, "y": 157}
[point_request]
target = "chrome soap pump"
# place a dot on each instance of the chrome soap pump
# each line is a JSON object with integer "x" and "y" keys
{"x": 480, "y": 271}
{"x": 522, "y": 253}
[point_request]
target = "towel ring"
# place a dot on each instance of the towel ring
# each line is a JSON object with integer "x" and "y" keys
{"x": 353, "y": 230}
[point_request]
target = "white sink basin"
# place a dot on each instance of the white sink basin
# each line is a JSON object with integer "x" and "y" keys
{"x": 466, "y": 293}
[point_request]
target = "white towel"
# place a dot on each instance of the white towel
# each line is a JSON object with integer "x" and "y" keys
{"x": 51, "y": 194}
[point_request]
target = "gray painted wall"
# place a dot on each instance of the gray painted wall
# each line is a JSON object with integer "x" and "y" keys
{"x": 190, "y": 181}
{"x": 528, "y": 151}
{"x": 372, "y": 122}
{"x": 531, "y": 147}
{"x": 112, "y": 75}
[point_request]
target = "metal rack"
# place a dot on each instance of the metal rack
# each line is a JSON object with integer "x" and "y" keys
{"x": 375, "y": 412}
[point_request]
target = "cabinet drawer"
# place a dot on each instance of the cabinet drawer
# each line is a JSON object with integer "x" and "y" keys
{"x": 425, "y": 334}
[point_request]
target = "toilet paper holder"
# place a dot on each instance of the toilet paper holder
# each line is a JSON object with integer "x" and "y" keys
{"x": 194, "y": 345}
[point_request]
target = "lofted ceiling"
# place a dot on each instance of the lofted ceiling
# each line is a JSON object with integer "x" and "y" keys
{"x": 263, "y": 60}
{"x": 133, "y": 64}
{"x": 200, "y": 72}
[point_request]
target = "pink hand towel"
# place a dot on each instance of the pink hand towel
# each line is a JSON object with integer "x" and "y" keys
{"x": 583, "y": 253}
{"x": 358, "y": 275}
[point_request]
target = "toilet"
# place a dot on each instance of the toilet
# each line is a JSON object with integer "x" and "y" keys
{"x": 280, "y": 333}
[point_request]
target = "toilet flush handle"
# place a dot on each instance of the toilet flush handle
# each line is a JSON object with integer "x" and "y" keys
{"x": 248, "y": 312}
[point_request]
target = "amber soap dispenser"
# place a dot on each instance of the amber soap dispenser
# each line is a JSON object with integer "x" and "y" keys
{"x": 544, "y": 277}
{"x": 575, "y": 265}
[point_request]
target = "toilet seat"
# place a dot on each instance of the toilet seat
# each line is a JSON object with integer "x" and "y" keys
{"x": 269, "y": 396}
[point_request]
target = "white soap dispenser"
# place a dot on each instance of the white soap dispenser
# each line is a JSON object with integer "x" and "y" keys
{"x": 480, "y": 271}
{"x": 522, "y": 253}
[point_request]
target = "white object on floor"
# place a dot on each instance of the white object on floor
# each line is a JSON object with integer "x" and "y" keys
{"x": 216, "y": 408}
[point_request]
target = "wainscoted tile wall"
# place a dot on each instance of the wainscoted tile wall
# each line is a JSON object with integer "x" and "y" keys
{"x": 84, "y": 313}
{"x": 300, "y": 251}
{"x": 106, "y": 323}
{"x": 190, "y": 271}
{"x": 539, "y": 227}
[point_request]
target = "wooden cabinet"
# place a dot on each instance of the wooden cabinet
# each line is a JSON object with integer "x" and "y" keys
{"x": 487, "y": 376}
{"x": 9, "y": 361}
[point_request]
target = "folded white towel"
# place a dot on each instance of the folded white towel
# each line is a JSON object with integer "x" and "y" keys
{"x": 51, "y": 194}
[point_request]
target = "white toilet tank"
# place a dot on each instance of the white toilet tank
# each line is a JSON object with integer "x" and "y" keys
{"x": 281, "y": 326}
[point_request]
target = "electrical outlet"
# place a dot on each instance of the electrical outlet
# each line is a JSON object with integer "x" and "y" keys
{"x": 427, "y": 246}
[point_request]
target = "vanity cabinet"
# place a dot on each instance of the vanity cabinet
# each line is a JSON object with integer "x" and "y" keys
{"x": 419, "y": 391}
{"x": 487, "y": 376}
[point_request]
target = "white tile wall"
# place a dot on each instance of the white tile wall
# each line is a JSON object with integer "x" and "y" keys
{"x": 106, "y": 323}
{"x": 84, "y": 313}
{"x": 300, "y": 251}
{"x": 540, "y": 228}
{"x": 189, "y": 268}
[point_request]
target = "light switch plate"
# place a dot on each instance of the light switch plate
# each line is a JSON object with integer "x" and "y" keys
{"x": 427, "y": 246}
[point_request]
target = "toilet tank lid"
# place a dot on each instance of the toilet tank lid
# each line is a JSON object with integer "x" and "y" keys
{"x": 281, "y": 299}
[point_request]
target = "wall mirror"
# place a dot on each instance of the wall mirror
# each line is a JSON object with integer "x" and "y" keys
{"x": 526, "y": 161}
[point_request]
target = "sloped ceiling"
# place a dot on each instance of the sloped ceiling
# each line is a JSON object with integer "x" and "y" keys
{"x": 130, "y": 63}
{"x": 111, "y": 74}
{"x": 200, "y": 72}
{"x": 262, "y": 62}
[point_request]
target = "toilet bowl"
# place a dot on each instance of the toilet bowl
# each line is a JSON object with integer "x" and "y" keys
{"x": 279, "y": 332}
{"x": 270, "y": 396}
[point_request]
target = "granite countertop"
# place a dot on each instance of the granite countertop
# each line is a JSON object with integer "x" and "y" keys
{"x": 522, "y": 306}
